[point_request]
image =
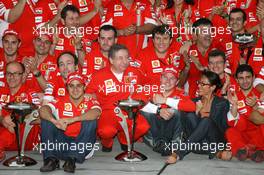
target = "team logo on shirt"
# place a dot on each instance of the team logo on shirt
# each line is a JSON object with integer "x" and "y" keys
{"x": 67, "y": 106}
{"x": 98, "y": 60}
{"x": 118, "y": 7}
{"x": 258, "y": 51}
{"x": 193, "y": 53}
{"x": 228, "y": 46}
{"x": 52, "y": 6}
{"x": 61, "y": 92}
{"x": 5, "y": 98}
{"x": 241, "y": 104}
{"x": 61, "y": 41}
{"x": 110, "y": 86}
{"x": 130, "y": 79}
{"x": 39, "y": 11}
{"x": 82, "y": 3}
{"x": 155, "y": 63}
{"x": 18, "y": 99}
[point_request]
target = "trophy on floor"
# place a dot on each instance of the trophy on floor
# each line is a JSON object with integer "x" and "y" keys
{"x": 131, "y": 107}
{"x": 19, "y": 111}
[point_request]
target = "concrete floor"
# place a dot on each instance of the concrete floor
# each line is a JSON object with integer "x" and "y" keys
{"x": 104, "y": 163}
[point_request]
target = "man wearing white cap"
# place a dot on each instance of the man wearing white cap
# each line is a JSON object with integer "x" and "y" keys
{"x": 163, "y": 113}
{"x": 71, "y": 120}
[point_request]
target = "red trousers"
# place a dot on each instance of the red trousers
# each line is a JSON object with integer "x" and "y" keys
{"x": 245, "y": 133}
{"x": 109, "y": 127}
{"x": 8, "y": 140}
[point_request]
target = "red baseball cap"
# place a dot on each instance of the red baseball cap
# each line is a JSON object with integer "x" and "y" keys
{"x": 11, "y": 32}
{"x": 75, "y": 76}
{"x": 171, "y": 70}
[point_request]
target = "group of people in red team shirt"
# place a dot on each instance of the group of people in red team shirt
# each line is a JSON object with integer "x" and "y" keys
{"x": 198, "y": 87}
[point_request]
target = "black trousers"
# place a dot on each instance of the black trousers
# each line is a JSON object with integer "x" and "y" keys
{"x": 199, "y": 132}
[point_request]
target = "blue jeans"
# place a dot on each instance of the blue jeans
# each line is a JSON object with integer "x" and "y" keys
{"x": 166, "y": 130}
{"x": 65, "y": 147}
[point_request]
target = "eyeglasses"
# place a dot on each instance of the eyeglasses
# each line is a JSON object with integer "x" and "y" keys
{"x": 13, "y": 74}
{"x": 202, "y": 84}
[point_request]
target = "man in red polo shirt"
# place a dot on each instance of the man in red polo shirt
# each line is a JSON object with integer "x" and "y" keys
{"x": 42, "y": 64}
{"x": 71, "y": 120}
{"x": 11, "y": 43}
{"x": 246, "y": 138}
{"x": 161, "y": 54}
{"x": 67, "y": 63}
{"x": 32, "y": 13}
{"x": 217, "y": 64}
{"x": 198, "y": 54}
{"x": 98, "y": 57}
{"x": 16, "y": 91}
{"x": 110, "y": 85}
{"x": 133, "y": 19}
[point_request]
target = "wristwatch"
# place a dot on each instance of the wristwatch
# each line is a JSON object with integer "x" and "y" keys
{"x": 158, "y": 111}
{"x": 38, "y": 74}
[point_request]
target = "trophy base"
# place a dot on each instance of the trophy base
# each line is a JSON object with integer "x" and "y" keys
{"x": 15, "y": 162}
{"x": 134, "y": 156}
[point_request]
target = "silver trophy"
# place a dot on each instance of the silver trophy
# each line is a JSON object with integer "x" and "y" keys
{"x": 131, "y": 107}
{"x": 19, "y": 111}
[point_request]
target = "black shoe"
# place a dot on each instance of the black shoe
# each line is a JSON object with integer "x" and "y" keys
{"x": 50, "y": 164}
{"x": 105, "y": 149}
{"x": 69, "y": 165}
{"x": 160, "y": 146}
{"x": 123, "y": 147}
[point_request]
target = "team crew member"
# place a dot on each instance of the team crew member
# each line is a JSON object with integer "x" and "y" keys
{"x": 70, "y": 120}
{"x": 98, "y": 57}
{"x": 198, "y": 54}
{"x": 132, "y": 19}
{"x": 67, "y": 63}
{"x": 245, "y": 137}
{"x": 30, "y": 12}
{"x": 110, "y": 85}
{"x": 217, "y": 64}
{"x": 11, "y": 43}
{"x": 164, "y": 115}
{"x": 161, "y": 54}
{"x": 16, "y": 91}
{"x": 42, "y": 64}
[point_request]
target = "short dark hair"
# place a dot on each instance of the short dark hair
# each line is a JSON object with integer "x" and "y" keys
{"x": 244, "y": 68}
{"x": 238, "y": 10}
{"x": 76, "y": 61}
{"x": 108, "y": 28}
{"x": 216, "y": 53}
{"x": 67, "y": 8}
{"x": 115, "y": 48}
{"x": 19, "y": 63}
{"x": 213, "y": 79}
{"x": 201, "y": 21}
{"x": 162, "y": 30}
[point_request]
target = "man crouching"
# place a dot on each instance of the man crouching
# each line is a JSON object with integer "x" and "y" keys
{"x": 68, "y": 121}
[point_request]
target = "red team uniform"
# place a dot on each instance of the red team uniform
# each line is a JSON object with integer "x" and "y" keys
{"x": 34, "y": 15}
{"x": 120, "y": 17}
{"x": 64, "y": 108}
{"x": 8, "y": 139}
{"x": 243, "y": 133}
{"x": 108, "y": 91}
